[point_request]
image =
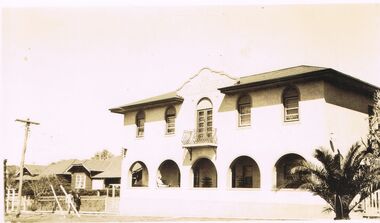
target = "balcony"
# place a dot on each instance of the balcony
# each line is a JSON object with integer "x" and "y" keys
{"x": 195, "y": 139}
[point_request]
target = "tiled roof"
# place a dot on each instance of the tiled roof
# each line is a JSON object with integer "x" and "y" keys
{"x": 12, "y": 169}
{"x": 96, "y": 165}
{"x": 34, "y": 169}
{"x": 59, "y": 167}
{"x": 150, "y": 102}
{"x": 302, "y": 72}
{"x": 113, "y": 170}
{"x": 109, "y": 168}
{"x": 287, "y": 72}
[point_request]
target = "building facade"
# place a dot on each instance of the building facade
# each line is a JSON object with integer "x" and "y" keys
{"x": 221, "y": 146}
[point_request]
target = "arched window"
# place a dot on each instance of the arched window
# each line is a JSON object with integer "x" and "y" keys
{"x": 140, "y": 121}
{"x": 204, "y": 119}
{"x": 170, "y": 116}
{"x": 290, "y": 98}
{"x": 244, "y": 109}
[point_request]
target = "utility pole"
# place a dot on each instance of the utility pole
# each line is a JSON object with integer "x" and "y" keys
{"x": 5, "y": 184}
{"x": 27, "y": 126}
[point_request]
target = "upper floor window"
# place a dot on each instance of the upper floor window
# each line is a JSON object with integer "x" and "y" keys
{"x": 140, "y": 121}
{"x": 170, "y": 116}
{"x": 244, "y": 109}
{"x": 290, "y": 98}
{"x": 204, "y": 118}
{"x": 80, "y": 181}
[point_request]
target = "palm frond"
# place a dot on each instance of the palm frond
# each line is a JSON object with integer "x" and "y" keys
{"x": 346, "y": 176}
{"x": 351, "y": 156}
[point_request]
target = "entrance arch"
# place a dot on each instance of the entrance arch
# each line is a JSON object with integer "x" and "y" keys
{"x": 204, "y": 173}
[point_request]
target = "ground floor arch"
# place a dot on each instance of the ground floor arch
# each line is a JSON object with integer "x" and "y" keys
{"x": 245, "y": 173}
{"x": 283, "y": 169}
{"x": 138, "y": 173}
{"x": 204, "y": 173}
{"x": 168, "y": 174}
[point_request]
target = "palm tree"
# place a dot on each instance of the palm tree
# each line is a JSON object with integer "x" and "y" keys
{"x": 338, "y": 180}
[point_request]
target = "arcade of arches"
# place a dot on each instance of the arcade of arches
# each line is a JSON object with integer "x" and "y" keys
{"x": 243, "y": 173}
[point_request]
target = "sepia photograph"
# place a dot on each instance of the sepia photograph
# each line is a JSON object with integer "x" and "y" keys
{"x": 190, "y": 111}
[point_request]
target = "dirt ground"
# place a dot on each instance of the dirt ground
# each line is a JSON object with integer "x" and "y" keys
{"x": 49, "y": 217}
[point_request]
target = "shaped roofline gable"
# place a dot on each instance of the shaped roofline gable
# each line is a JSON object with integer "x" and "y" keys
{"x": 166, "y": 99}
{"x": 201, "y": 71}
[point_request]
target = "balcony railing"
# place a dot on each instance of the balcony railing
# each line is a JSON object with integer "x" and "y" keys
{"x": 195, "y": 138}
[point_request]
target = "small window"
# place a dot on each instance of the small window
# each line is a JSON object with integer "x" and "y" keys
{"x": 140, "y": 122}
{"x": 80, "y": 181}
{"x": 291, "y": 100}
{"x": 244, "y": 109}
{"x": 170, "y": 116}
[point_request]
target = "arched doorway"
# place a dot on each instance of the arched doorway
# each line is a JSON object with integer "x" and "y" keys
{"x": 168, "y": 174}
{"x": 204, "y": 173}
{"x": 139, "y": 174}
{"x": 245, "y": 173}
{"x": 283, "y": 169}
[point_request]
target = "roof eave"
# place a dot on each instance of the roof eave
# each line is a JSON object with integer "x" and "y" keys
{"x": 77, "y": 165}
{"x": 354, "y": 83}
{"x": 273, "y": 82}
{"x": 105, "y": 177}
{"x": 135, "y": 107}
{"x": 315, "y": 75}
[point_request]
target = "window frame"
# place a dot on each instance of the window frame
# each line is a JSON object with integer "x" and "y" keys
{"x": 240, "y": 106}
{"x": 204, "y": 115}
{"x": 287, "y": 100}
{"x": 140, "y": 124}
{"x": 79, "y": 177}
{"x": 170, "y": 120}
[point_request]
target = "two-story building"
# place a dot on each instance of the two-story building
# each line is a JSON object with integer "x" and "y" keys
{"x": 220, "y": 146}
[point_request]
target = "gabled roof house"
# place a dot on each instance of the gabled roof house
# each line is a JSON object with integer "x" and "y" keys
{"x": 83, "y": 174}
{"x": 95, "y": 174}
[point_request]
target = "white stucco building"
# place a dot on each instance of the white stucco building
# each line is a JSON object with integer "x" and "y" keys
{"x": 221, "y": 146}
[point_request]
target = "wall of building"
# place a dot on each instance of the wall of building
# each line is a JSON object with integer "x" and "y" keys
{"x": 97, "y": 184}
{"x": 265, "y": 141}
{"x": 231, "y": 203}
{"x": 346, "y": 116}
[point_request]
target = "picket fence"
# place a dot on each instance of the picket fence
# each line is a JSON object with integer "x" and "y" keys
{"x": 98, "y": 204}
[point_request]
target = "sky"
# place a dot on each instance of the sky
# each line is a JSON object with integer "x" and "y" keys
{"x": 65, "y": 66}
